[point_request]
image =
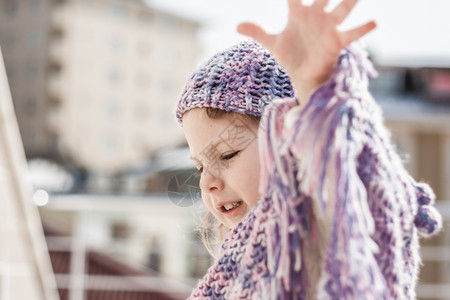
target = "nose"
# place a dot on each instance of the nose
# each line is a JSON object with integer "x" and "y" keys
{"x": 211, "y": 181}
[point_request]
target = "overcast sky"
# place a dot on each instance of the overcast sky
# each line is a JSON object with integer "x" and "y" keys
{"x": 410, "y": 31}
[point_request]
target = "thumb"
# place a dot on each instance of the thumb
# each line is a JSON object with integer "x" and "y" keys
{"x": 257, "y": 33}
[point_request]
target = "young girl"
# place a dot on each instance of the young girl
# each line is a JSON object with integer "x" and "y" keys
{"x": 317, "y": 202}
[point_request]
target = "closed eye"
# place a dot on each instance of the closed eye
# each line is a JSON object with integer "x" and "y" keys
{"x": 229, "y": 155}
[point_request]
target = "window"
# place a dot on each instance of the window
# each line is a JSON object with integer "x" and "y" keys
{"x": 116, "y": 11}
{"x": 112, "y": 110}
{"x": 34, "y": 37}
{"x": 31, "y": 70}
{"x": 168, "y": 58}
{"x": 53, "y": 102}
{"x": 168, "y": 24}
{"x": 57, "y": 33}
{"x": 166, "y": 87}
{"x": 9, "y": 41}
{"x": 110, "y": 143}
{"x": 54, "y": 67}
{"x": 11, "y": 7}
{"x": 439, "y": 86}
{"x": 113, "y": 77}
{"x": 115, "y": 45}
{"x": 35, "y": 5}
{"x": 388, "y": 81}
{"x": 30, "y": 105}
{"x": 165, "y": 120}
{"x": 120, "y": 230}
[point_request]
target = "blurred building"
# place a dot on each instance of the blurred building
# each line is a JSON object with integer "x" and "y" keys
{"x": 154, "y": 233}
{"x": 95, "y": 82}
{"x": 104, "y": 277}
{"x": 416, "y": 106}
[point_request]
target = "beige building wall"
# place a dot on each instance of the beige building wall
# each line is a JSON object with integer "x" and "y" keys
{"x": 122, "y": 68}
{"x": 110, "y": 75}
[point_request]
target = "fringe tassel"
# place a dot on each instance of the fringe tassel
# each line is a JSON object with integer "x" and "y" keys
{"x": 330, "y": 180}
{"x": 324, "y": 144}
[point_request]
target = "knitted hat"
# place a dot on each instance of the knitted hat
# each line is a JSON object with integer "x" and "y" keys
{"x": 243, "y": 79}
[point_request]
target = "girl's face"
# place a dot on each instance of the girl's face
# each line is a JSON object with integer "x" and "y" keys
{"x": 225, "y": 152}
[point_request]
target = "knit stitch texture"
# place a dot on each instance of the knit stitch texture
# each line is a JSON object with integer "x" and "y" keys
{"x": 244, "y": 78}
{"x": 330, "y": 163}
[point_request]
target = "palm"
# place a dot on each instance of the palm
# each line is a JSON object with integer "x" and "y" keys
{"x": 310, "y": 44}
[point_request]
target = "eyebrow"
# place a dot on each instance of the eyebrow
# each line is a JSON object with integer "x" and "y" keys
{"x": 215, "y": 145}
{"x": 224, "y": 139}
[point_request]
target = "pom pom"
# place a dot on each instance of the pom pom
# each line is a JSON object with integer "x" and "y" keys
{"x": 428, "y": 221}
{"x": 424, "y": 193}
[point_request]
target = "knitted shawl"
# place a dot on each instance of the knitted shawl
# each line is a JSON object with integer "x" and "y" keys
{"x": 339, "y": 216}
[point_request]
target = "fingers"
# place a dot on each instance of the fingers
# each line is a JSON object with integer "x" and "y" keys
{"x": 347, "y": 37}
{"x": 292, "y": 3}
{"x": 257, "y": 33}
{"x": 295, "y": 7}
{"x": 343, "y": 10}
{"x": 321, "y": 3}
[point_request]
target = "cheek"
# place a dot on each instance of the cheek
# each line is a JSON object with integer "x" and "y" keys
{"x": 206, "y": 200}
{"x": 251, "y": 180}
{"x": 208, "y": 203}
{"x": 253, "y": 191}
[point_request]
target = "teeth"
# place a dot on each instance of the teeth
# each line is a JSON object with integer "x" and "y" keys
{"x": 231, "y": 206}
{"x": 228, "y": 206}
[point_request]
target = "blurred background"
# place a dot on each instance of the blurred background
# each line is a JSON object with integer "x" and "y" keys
{"x": 94, "y": 84}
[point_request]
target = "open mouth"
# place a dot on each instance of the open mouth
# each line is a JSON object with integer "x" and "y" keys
{"x": 231, "y": 206}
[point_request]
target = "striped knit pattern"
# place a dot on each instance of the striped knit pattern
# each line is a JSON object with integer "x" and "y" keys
{"x": 329, "y": 163}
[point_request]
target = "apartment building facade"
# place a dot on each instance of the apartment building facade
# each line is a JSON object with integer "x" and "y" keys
{"x": 95, "y": 82}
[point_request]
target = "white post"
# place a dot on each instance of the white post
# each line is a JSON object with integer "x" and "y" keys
{"x": 24, "y": 258}
{"x": 78, "y": 259}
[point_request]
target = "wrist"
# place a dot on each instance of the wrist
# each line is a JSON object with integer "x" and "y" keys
{"x": 304, "y": 90}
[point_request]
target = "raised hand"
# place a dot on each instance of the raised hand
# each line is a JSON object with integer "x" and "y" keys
{"x": 309, "y": 45}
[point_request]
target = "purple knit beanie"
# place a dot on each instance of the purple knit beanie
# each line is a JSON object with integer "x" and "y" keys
{"x": 243, "y": 79}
